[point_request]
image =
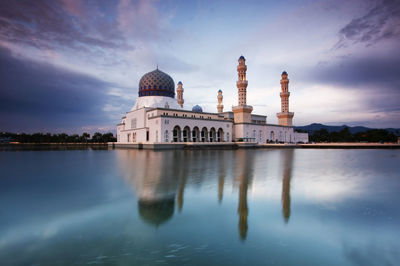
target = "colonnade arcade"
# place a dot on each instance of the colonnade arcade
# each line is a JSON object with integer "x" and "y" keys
{"x": 196, "y": 134}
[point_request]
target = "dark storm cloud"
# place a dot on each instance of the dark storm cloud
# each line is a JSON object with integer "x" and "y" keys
{"x": 34, "y": 95}
{"x": 366, "y": 76}
{"x": 351, "y": 71}
{"x": 381, "y": 22}
{"x": 48, "y": 24}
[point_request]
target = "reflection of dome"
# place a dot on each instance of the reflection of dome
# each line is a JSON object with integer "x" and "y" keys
{"x": 197, "y": 108}
{"x": 156, "y": 212}
{"x": 156, "y": 83}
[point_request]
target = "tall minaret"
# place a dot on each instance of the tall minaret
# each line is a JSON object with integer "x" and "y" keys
{"x": 179, "y": 92}
{"x": 242, "y": 82}
{"x": 285, "y": 117}
{"x": 220, "y": 106}
{"x": 242, "y": 112}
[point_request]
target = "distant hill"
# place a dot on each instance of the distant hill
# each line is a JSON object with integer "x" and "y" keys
{"x": 316, "y": 126}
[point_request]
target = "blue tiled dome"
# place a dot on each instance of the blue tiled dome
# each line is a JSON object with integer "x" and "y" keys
{"x": 197, "y": 108}
{"x": 156, "y": 83}
{"x": 242, "y": 58}
{"x": 284, "y": 73}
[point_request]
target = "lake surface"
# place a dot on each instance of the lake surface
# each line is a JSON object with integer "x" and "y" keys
{"x": 243, "y": 207}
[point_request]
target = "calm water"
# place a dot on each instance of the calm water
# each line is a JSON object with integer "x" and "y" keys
{"x": 244, "y": 207}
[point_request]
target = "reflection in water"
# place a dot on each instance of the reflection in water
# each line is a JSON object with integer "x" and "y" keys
{"x": 349, "y": 207}
{"x": 244, "y": 164}
{"x": 223, "y": 165}
{"x": 162, "y": 177}
{"x": 157, "y": 182}
{"x": 183, "y": 166}
{"x": 287, "y": 162}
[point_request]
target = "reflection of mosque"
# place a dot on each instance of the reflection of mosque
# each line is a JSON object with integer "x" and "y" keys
{"x": 287, "y": 175}
{"x": 159, "y": 183}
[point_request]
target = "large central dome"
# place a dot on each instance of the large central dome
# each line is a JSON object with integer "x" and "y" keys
{"x": 156, "y": 83}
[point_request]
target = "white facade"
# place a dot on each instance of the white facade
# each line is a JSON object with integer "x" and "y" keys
{"x": 164, "y": 125}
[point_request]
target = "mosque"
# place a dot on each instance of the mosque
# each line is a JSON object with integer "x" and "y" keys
{"x": 157, "y": 117}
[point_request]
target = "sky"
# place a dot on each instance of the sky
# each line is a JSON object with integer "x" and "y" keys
{"x": 74, "y": 66}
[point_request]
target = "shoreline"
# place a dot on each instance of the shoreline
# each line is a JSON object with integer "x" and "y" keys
{"x": 208, "y": 145}
{"x": 244, "y": 145}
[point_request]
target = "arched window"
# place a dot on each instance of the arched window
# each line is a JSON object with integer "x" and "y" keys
{"x": 166, "y": 136}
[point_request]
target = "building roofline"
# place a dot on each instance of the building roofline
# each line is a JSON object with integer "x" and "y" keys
{"x": 193, "y": 118}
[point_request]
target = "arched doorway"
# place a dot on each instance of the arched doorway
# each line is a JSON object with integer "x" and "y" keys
{"x": 204, "y": 135}
{"x": 213, "y": 135}
{"x": 177, "y": 134}
{"x": 195, "y": 134}
{"x": 186, "y": 134}
{"x": 220, "y": 135}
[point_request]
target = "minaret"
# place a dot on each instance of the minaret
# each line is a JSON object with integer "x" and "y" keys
{"x": 285, "y": 117}
{"x": 242, "y": 82}
{"x": 220, "y": 106}
{"x": 242, "y": 112}
{"x": 179, "y": 92}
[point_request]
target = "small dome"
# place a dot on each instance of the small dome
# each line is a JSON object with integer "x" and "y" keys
{"x": 219, "y": 90}
{"x": 197, "y": 109}
{"x": 284, "y": 73}
{"x": 242, "y": 58}
{"x": 180, "y": 83}
{"x": 156, "y": 83}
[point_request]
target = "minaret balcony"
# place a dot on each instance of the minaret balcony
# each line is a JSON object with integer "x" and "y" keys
{"x": 241, "y": 83}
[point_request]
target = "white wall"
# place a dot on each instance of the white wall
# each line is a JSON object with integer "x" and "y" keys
{"x": 149, "y": 120}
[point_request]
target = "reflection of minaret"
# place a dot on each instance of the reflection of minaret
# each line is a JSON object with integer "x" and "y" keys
{"x": 243, "y": 210}
{"x": 245, "y": 164}
{"x": 183, "y": 177}
{"x": 221, "y": 188}
{"x": 181, "y": 191}
{"x": 287, "y": 175}
{"x": 222, "y": 168}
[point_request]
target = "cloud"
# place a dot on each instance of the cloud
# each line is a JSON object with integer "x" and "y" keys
{"x": 39, "y": 96}
{"x": 51, "y": 24}
{"x": 379, "y": 23}
{"x": 355, "y": 71}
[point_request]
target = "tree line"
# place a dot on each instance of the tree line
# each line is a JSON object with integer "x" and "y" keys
{"x": 58, "y": 138}
{"x": 372, "y": 135}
